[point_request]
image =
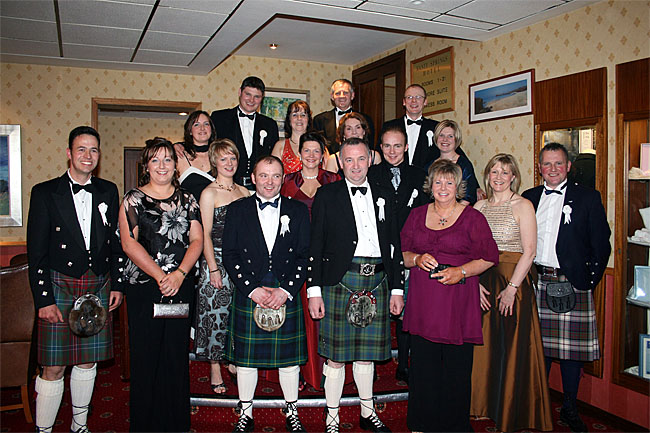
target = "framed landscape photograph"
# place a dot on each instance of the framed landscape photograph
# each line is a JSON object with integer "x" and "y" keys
{"x": 11, "y": 210}
{"x": 507, "y": 96}
{"x": 276, "y": 102}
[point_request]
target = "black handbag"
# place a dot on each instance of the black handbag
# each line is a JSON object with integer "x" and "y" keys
{"x": 560, "y": 297}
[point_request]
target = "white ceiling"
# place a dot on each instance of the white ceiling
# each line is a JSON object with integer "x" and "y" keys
{"x": 194, "y": 36}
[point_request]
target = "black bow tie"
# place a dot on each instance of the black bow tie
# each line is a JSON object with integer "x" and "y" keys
{"x": 554, "y": 191}
{"x": 263, "y": 204}
{"x": 342, "y": 112}
{"x": 88, "y": 187}
{"x": 411, "y": 122}
{"x": 361, "y": 189}
{"x": 250, "y": 116}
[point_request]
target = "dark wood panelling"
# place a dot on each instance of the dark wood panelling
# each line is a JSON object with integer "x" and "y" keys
{"x": 633, "y": 86}
{"x": 570, "y": 97}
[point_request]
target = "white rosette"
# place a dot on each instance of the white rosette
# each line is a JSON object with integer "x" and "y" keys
{"x": 284, "y": 224}
{"x": 567, "y": 213}
{"x": 263, "y": 135}
{"x": 414, "y": 194}
{"x": 102, "y": 211}
{"x": 430, "y": 137}
{"x": 380, "y": 203}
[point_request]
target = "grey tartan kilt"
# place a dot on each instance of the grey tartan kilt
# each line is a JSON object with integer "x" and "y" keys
{"x": 572, "y": 335}
{"x": 342, "y": 342}
{"x": 249, "y": 346}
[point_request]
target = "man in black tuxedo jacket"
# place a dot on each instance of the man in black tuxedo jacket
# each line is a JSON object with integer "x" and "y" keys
{"x": 73, "y": 250}
{"x": 395, "y": 173}
{"x": 355, "y": 260}
{"x": 265, "y": 249}
{"x": 572, "y": 245}
{"x": 341, "y": 94}
{"x": 252, "y": 132}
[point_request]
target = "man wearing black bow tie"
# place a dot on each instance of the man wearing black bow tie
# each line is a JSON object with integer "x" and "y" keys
{"x": 354, "y": 278}
{"x": 572, "y": 247}
{"x": 265, "y": 248}
{"x": 341, "y": 94}
{"x": 73, "y": 250}
{"x": 252, "y": 132}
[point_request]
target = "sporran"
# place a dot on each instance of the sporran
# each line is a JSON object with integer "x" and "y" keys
{"x": 269, "y": 319}
{"x": 560, "y": 297}
{"x": 361, "y": 308}
{"x": 88, "y": 316}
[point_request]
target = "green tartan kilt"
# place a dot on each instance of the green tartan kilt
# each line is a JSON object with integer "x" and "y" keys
{"x": 57, "y": 345}
{"x": 342, "y": 342}
{"x": 249, "y": 346}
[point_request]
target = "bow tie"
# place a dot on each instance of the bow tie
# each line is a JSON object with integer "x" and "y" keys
{"x": 411, "y": 122}
{"x": 250, "y": 116}
{"x": 76, "y": 187}
{"x": 342, "y": 112}
{"x": 263, "y": 204}
{"x": 361, "y": 189}
{"x": 554, "y": 191}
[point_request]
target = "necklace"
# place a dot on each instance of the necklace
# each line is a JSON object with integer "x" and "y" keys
{"x": 443, "y": 220}
{"x": 227, "y": 188}
{"x": 308, "y": 177}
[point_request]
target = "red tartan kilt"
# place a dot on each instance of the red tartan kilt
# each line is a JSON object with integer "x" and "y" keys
{"x": 57, "y": 345}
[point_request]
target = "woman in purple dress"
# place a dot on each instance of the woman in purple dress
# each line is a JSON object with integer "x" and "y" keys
{"x": 447, "y": 245}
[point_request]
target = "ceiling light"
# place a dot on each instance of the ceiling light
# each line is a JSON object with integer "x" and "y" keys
{"x": 416, "y": 2}
{"x": 182, "y": 113}
{"x": 273, "y": 46}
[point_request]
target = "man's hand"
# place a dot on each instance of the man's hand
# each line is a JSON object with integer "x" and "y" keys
{"x": 316, "y": 307}
{"x": 260, "y": 296}
{"x": 115, "y": 300}
{"x": 396, "y": 304}
{"x": 51, "y": 313}
{"x": 277, "y": 299}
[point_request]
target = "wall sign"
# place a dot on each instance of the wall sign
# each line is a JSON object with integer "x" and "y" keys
{"x": 435, "y": 73}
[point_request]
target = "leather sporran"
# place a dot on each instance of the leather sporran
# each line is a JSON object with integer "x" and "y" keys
{"x": 560, "y": 297}
{"x": 170, "y": 310}
{"x": 88, "y": 316}
{"x": 361, "y": 308}
{"x": 269, "y": 319}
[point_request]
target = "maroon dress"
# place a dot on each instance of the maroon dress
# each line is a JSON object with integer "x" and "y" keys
{"x": 312, "y": 371}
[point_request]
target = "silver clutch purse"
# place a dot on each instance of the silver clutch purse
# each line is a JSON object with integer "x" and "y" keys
{"x": 269, "y": 319}
{"x": 169, "y": 310}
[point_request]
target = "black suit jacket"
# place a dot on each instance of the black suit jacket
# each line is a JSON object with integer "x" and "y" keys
{"x": 425, "y": 154}
{"x": 411, "y": 182}
{"x": 246, "y": 257}
{"x": 226, "y": 124}
{"x": 582, "y": 245}
{"x": 325, "y": 122}
{"x": 334, "y": 236}
{"x": 55, "y": 241}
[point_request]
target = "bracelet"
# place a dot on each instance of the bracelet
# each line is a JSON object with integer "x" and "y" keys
{"x": 415, "y": 259}
{"x": 463, "y": 271}
{"x": 216, "y": 270}
{"x": 182, "y": 272}
{"x": 510, "y": 283}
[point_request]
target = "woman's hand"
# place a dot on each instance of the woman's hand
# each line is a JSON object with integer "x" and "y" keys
{"x": 425, "y": 261}
{"x": 216, "y": 280}
{"x": 506, "y": 300}
{"x": 483, "y": 294}
{"x": 450, "y": 275}
{"x": 171, "y": 283}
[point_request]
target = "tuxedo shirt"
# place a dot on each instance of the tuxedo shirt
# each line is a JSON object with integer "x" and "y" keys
{"x": 548, "y": 215}
{"x": 246, "y": 125}
{"x": 83, "y": 204}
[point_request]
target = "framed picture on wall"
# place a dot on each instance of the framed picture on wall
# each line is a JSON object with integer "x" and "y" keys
{"x": 11, "y": 209}
{"x": 276, "y": 102}
{"x": 644, "y": 356}
{"x": 498, "y": 98}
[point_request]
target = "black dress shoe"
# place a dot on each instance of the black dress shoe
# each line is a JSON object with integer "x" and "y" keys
{"x": 402, "y": 374}
{"x": 293, "y": 424}
{"x": 244, "y": 424}
{"x": 572, "y": 419}
{"x": 373, "y": 423}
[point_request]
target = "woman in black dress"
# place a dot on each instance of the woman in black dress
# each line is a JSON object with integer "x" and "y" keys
{"x": 193, "y": 162}
{"x": 162, "y": 236}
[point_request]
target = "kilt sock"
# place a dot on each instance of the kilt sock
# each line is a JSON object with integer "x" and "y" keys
{"x": 48, "y": 400}
{"x": 334, "y": 381}
{"x": 363, "y": 375}
{"x": 571, "y": 372}
{"x": 289, "y": 378}
{"x": 82, "y": 382}
{"x": 246, "y": 384}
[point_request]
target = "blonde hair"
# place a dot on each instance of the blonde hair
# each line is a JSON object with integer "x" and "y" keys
{"x": 506, "y": 160}
{"x": 445, "y": 168}
{"x": 219, "y": 147}
{"x": 447, "y": 123}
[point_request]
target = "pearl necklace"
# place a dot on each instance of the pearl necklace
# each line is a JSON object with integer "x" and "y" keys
{"x": 308, "y": 177}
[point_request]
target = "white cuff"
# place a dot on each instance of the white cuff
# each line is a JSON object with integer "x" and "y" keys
{"x": 314, "y": 292}
{"x": 288, "y": 294}
{"x": 397, "y": 292}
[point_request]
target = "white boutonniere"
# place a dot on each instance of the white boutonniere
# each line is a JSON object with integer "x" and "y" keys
{"x": 567, "y": 213}
{"x": 414, "y": 194}
{"x": 284, "y": 224}
{"x": 381, "y": 202}
{"x": 430, "y": 137}
{"x": 102, "y": 211}
{"x": 262, "y": 137}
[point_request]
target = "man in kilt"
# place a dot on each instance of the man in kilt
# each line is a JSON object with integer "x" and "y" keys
{"x": 355, "y": 260}
{"x": 265, "y": 249}
{"x": 73, "y": 250}
{"x": 572, "y": 246}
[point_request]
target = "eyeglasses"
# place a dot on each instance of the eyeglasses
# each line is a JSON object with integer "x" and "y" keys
{"x": 412, "y": 97}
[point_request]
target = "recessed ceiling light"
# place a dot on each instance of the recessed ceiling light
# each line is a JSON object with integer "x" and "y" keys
{"x": 182, "y": 113}
{"x": 416, "y": 2}
{"x": 273, "y": 46}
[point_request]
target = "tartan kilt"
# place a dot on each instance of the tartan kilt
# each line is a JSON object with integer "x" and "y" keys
{"x": 342, "y": 342}
{"x": 57, "y": 345}
{"x": 572, "y": 335}
{"x": 249, "y": 346}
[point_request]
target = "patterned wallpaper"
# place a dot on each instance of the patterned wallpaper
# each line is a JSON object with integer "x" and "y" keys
{"x": 596, "y": 36}
{"x": 49, "y": 101}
